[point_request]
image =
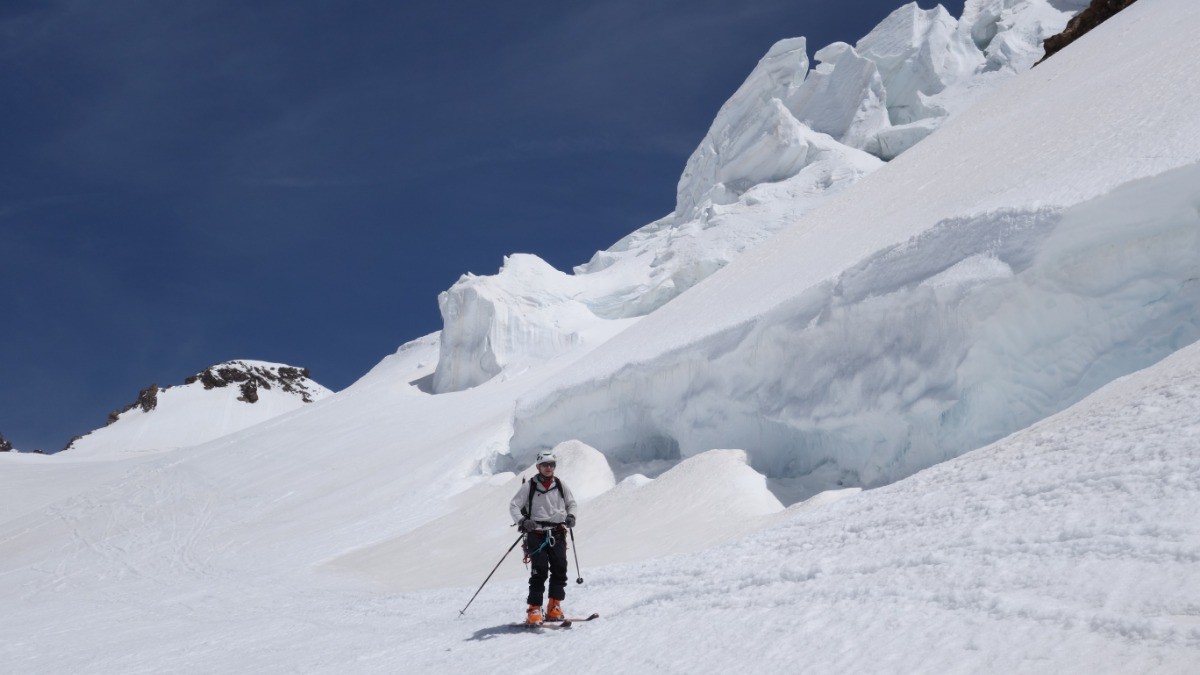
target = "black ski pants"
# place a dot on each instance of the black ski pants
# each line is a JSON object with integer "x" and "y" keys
{"x": 551, "y": 560}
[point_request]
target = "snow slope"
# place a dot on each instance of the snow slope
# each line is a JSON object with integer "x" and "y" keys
{"x": 202, "y": 409}
{"x": 1069, "y": 547}
{"x": 713, "y": 498}
{"x": 1062, "y": 211}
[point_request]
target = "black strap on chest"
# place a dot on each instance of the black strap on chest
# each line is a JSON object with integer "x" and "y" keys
{"x": 533, "y": 489}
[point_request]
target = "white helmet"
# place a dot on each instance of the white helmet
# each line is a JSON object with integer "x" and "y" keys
{"x": 547, "y": 456}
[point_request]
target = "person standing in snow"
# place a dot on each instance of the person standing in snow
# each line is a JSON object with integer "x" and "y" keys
{"x": 544, "y": 509}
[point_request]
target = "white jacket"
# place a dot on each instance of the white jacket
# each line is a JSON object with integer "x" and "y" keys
{"x": 549, "y": 506}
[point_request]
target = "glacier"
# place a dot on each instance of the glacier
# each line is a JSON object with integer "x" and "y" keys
{"x": 787, "y": 140}
{"x": 973, "y": 329}
{"x": 908, "y": 350}
{"x": 971, "y": 296}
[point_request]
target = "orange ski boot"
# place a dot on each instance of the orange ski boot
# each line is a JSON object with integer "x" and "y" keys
{"x": 533, "y": 617}
{"x": 554, "y": 611}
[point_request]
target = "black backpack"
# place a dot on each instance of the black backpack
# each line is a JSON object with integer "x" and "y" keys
{"x": 533, "y": 488}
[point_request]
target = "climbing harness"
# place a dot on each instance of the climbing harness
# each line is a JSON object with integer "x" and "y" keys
{"x": 549, "y": 541}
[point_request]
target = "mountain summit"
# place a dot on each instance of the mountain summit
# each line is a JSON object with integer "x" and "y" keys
{"x": 216, "y": 401}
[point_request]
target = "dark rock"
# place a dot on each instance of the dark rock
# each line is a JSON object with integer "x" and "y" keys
{"x": 1096, "y": 13}
{"x": 147, "y": 400}
{"x": 250, "y": 392}
{"x": 5, "y": 446}
{"x": 292, "y": 381}
{"x": 250, "y": 379}
{"x": 218, "y": 376}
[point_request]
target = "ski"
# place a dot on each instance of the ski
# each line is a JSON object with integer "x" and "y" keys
{"x": 573, "y": 620}
{"x": 545, "y": 624}
{"x": 566, "y": 623}
{"x": 556, "y": 623}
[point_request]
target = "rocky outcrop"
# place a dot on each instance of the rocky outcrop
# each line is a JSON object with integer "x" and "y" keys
{"x": 251, "y": 377}
{"x": 196, "y": 411}
{"x": 147, "y": 400}
{"x": 1096, "y": 13}
{"x": 5, "y": 446}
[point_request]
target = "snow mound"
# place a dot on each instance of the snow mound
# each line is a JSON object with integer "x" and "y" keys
{"x": 476, "y": 528}
{"x": 786, "y": 141}
{"x": 215, "y": 402}
{"x": 708, "y": 499}
{"x": 700, "y": 502}
{"x": 582, "y": 467}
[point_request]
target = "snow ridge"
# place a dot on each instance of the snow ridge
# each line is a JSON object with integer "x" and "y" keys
{"x": 217, "y": 401}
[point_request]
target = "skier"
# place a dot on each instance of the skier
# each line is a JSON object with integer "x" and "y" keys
{"x": 544, "y": 510}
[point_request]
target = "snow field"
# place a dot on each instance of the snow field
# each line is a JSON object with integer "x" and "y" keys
{"x": 1068, "y": 547}
{"x": 370, "y": 463}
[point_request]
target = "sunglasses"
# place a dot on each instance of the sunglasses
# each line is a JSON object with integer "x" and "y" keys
{"x": 549, "y": 464}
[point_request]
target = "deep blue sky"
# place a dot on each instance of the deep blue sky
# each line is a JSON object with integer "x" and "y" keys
{"x": 184, "y": 183}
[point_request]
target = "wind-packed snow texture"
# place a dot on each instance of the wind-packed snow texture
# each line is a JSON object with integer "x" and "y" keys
{"x": 1035, "y": 247}
{"x": 786, "y": 141}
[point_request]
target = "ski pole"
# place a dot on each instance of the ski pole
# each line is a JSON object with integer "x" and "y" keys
{"x": 579, "y": 579}
{"x": 489, "y": 576}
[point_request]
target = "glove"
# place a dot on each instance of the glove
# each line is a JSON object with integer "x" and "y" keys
{"x": 528, "y": 525}
{"x": 570, "y": 520}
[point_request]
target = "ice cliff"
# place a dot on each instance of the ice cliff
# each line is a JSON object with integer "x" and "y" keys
{"x": 987, "y": 276}
{"x": 786, "y": 141}
{"x": 995, "y": 274}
